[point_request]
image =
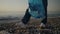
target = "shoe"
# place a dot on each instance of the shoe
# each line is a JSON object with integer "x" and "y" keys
{"x": 21, "y": 24}
{"x": 42, "y": 25}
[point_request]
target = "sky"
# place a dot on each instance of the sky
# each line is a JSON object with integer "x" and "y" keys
{"x": 18, "y": 7}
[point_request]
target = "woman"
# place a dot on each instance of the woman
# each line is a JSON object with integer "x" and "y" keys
{"x": 37, "y": 9}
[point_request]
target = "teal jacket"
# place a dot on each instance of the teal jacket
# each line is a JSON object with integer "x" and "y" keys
{"x": 37, "y": 8}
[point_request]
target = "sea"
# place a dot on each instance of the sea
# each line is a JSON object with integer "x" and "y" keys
{"x": 17, "y": 17}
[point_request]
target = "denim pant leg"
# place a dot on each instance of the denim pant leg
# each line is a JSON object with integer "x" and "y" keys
{"x": 45, "y": 3}
{"x": 26, "y": 17}
{"x": 45, "y": 19}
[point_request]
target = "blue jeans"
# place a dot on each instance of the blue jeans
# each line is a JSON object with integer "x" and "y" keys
{"x": 27, "y": 15}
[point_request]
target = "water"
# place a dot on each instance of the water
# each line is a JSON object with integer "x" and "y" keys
{"x": 53, "y": 15}
{"x": 21, "y": 14}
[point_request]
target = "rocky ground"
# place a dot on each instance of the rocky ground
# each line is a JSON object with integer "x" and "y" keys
{"x": 53, "y": 25}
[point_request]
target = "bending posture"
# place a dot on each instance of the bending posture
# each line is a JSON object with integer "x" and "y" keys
{"x": 34, "y": 5}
